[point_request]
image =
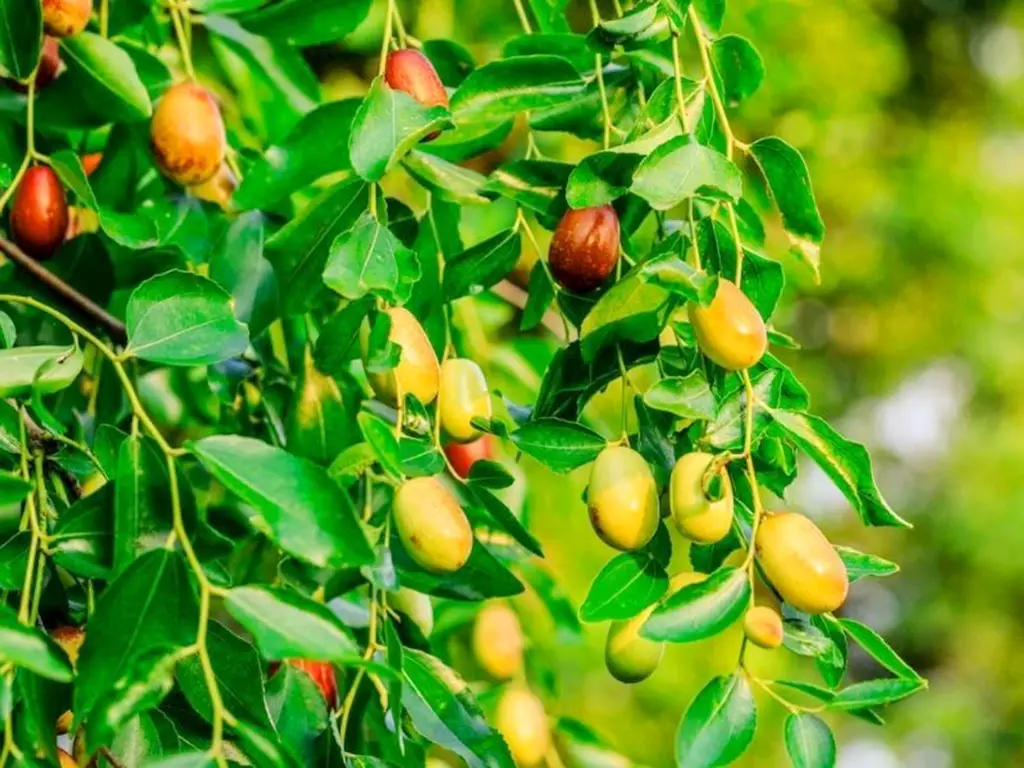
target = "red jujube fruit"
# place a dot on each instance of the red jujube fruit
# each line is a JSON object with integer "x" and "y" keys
{"x": 464, "y": 455}
{"x": 39, "y": 213}
{"x": 585, "y": 248}
{"x": 410, "y": 71}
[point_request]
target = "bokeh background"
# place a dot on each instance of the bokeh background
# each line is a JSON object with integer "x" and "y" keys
{"x": 909, "y": 114}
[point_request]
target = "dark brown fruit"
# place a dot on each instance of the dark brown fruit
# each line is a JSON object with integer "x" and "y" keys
{"x": 410, "y": 71}
{"x": 64, "y": 18}
{"x": 585, "y": 248}
{"x": 39, "y": 213}
{"x": 464, "y": 455}
{"x": 187, "y": 134}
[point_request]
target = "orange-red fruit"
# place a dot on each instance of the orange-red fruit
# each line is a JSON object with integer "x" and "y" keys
{"x": 70, "y": 639}
{"x": 410, "y": 71}
{"x": 64, "y": 18}
{"x": 187, "y": 134}
{"x": 464, "y": 455}
{"x": 322, "y": 674}
{"x": 66, "y": 760}
{"x": 91, "y": 162}
{"x": 585, "y": 248}
{"x": 39, "y": 213}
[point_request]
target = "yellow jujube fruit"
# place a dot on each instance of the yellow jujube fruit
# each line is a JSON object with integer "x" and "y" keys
{"x": 463, "y": 396}
{"x": 730, "y": 330}
{"x": 629, "y": 657}
{"x": 623, "y": 498}
{"x": 801, "y": 563}
{"x": 522, "y": 721}
{"x": 763, "y": 627}
{"x": 70, "y": 640}
{"x": 498, "y": 641}
{"x": 695, "y": 516}
{"x": 416, "y": 606}
{"x": 432, "y": 526}
{"x": 417, "y": 372}
{"x": 66, "y": 760}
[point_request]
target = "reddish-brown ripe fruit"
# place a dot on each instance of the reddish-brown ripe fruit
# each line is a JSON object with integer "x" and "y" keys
{"x": 323, "y": 675}
{"x": 585, "y": 248}
{"x": 64, "y": 18}
{"x": 39, "y": 213}
{"x": 464, "y": 455}
{"x": 410, "y": 71}
{"x": 91, "y": 162}
{"x": 187, "y": 134}
{"x": 50, "y": 65}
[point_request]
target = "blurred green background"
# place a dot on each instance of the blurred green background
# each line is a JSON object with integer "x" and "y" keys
{"x": 909, "y": 114}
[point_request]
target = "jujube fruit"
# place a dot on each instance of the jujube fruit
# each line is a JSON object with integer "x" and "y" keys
{"x": 463, "y": 456}
{"x": 91, "y": 161}
{"x": 416, "y": 607}
{"x": 463, "y": 396}
{"x": 522, "y": 721}
{"x": 417, "y": 372}
{"x": 50, "y": 66}
{"x": 64, "y": 18}
{"x": 39, "y": 212}
{"x": 498, "y": 641}
{"x": 622, "y": 498}
{"x": 218, "y": 188}
{"x": 70, "y": 640}
{"x": 730, "y": 330}
{"x": 629, "y": 657}
{"x": 410, "y": 71}
{"x": 763, "y": 627}
{"x": 585, "y": 248}
{"x": 694, "y": 514}
{"x": 432, "y": 526}
{"x": 323, "y": 675}
{"x": 187, "y": 134}
{"x": 801, "y": 563}
{"x": 66, "y": 760}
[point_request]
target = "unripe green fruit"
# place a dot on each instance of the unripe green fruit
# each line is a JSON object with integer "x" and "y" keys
{"x": 498, "y": 641}
{"x": 187, "y": 134}
{"x": 629, "y": 657}
{"x": 522, "y": 721}
{"x": 730, "y": 330}
{"x": 585, "y": 248}
{"x": 64, "y": 18}
{"x": 695, "y": 516}
{"x": 432, "y": 526}
{"x": 417, "y": 372}
{"x": 763, "y": 627}
{"x": 623, "y": 498}
{"x": 416, "y": 606}
{"x": 801, "y": 563}
{"x": 463, "y": 396}
{"x": 39, "y": 213}
{"x": 410, "y": 71}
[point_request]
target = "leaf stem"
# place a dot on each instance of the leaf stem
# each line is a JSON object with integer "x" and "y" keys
{"x": 523, "y": 18}
{"x": 182, "y": 36}
{"x": 371, "y": 644}
{"x": 385, "y": 44}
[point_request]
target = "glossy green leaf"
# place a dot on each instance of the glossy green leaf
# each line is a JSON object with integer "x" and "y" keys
{"x": 560, "y": 445}
{"x": 338, "y": 342}
{"x": 21, "y": 37}
{"x": 502, "y": 516}
{"x": 239, "y": 267}
{"x": 535, "y": 184}
{"x": 681, "y": 168}
{"x": 298, "y": 710}
{"x": 626, "y": 585}
{"x": 369, "y": 259}
{"x": 451, "y": 60}
{"x": 449, "y": 181}
{"x": 878, "y": 649}
{"x": 861, "y": 564}
{"x": 8, "y": 333}
{"x": 83, "y": 540}
{"x": 322, "y": 417}
{"x": 832, "y": 661}
{"x": 503, "y": 88}
{"x": 876, "y": 693}
{"x": 31, "y": 648}
{"x": 41, "y": 369}
{"x": 637, "y": 26}
{"x": 14, "y": 559}
{"x": 688, "y": 397}
{"x": 482, "y": 265}
{"x": 631, "y": 310}
{"x": 719, "y": 725}
{"x": 700, "y": 610}
{"x": 12, "y": 488}
{"x": 481, "y": 578}
{"x": 669, "y": 271}
{"x": 307, "y": 22}
{"x": 809, "y": 742}
{"x": 113, "y": 83}
{"x": 739, "y": 65}
{"x": 142, "y": 515}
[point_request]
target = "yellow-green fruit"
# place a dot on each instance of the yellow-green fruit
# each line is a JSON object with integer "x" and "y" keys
{"x": 763, "y": 627}
{"x": 498, "y": 641}
{"x": 622, "y": 498}
{"x": 629, "y": 657}
{"x": 417, "y": 372}
{"x": 432, "y": 526}
{"x": 463, "y": 396}
{"x": 66, "y": 760}
{"x": 416, "y": 606}
{"x": 695, "y": 516}
{"x": 730, "y": 330}
{"x": 801, "y": 563}
{"x": 521, "y": 720}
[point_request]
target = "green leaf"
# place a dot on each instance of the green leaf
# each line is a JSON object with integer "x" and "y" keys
{"x": 13, "y": 489}
{"x": 83, "y": 540}
{"x": 535, "y": 184}
{"x": 179, "y": 318}
{"x": 149, "y": 610}
{"x": 299, "y": 250}
{"x": 671, "y": 272}
{"x": 8, "y": 333}
{"x": 809, "y": 742}
{"x": 719, "y": 725}
{"x": 633, "y": 28}
{"x": 45, "y": 370}
{"x": 369, "y": 259}
{"x": 700, "y": 610}
{"x": 387, "y": 125}
{"x": 570, "y": 47}
{"x": 114, "y": 84}
{"x": 295, "y": 501}
{"x": 304, "y": 23}
{"x": 451, "y": 60}
{"x": 321, "y": 419}
{"x": 31, "y": 648}
{"x": 21, "y": 37}
{"x": 625, "y": 586}
{"x": 831, "y": 661}
{"x": 142, "y": 515}
{"x": 559, "y": 445}
{"x": 878, "y": 649}
{"x": 505, "y": 87}
{"x": 239, "y": 267}
{"x": 501, "y": 515}
{"x": 631, "y": 310}
{"x": 184, "y": 760}
{"x": 338, "y": 342}
{"x": 554, "y": 598}
{"x": 482, "y": 577}
{"x": 681, "y": 168}
{"x": 443, "y": 709}
{"x": 145, "y": 683}
{"x": 298, "y": 710}
{"x": 14, "y": 560}
{"x": 539, "y": 297}
{"x": 688, "y": 397}
{"x": 845, "y": 461}
{"x": 739, "y": 65}
{"x": 788, "y": 180}
{"x": 860, "y": 564}
{"x": 676, "y": 12}
{"x": 263, "y": 748}
{"x": 875, "y": 693}
{"x": 483, "y": 265}
{"x": 710, "y": 12}
{"x": 286, "y": 625}
{"x": 447, "y": 180}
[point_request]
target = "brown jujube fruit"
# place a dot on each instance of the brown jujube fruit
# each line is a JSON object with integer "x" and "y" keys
{"x": 585, "y": 248}
{"x": 39, "y": 213}
{"x": 187, "y": 134}
{"x": 50, "y": 66}
{"x": 410, "y": 71}
{"x": 730, "y": 330}
{"x": 64, "y": 18}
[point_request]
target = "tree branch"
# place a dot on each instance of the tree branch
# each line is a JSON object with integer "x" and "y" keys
{"x": 65, "y": 292}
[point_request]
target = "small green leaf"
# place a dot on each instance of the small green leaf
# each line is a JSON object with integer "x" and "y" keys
{"x": 625, "y": 586}
{"x": 304, "y": 23}
{"x": 13, "y": 489}
{"x": 22, "y": 38}
{"x": 878, "y": 649}
{"x": 739, "y": 65}
{"x": 483, "y": 265}
{"x": 239, "y": 267}
{"x": 369, "y": 259}
{"x": 700, "y": 610}
{"x": 8, "y": 333}
{"x": 539, "y": 297}
{"x": 875, "y": 693}
{"x": 45, "y": 370}
{"x": 114, "y": 84}
{"x": 719, "y": 725}
{"x": 505, "y": 87}
{"x": 681, "y": 168}
{"x": 338, "y": 342}
{"x": 481, "y": 578}
{"x": 688, "y": 397}
{"x": 672, "y": 273}
{"x": 631, "y": 310}
{"x": 676, "y": 12}
{"x": 861, "y": 564}
{"x": 447, "y": 180}
{"x": 809, "y": 742}
{"x": 502, "y": 516}
{"x": 535, "y": 184}
{"x": 560, "y": 445}
{"x": 83, "y": 541}
{"x": 31, "y": 648}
